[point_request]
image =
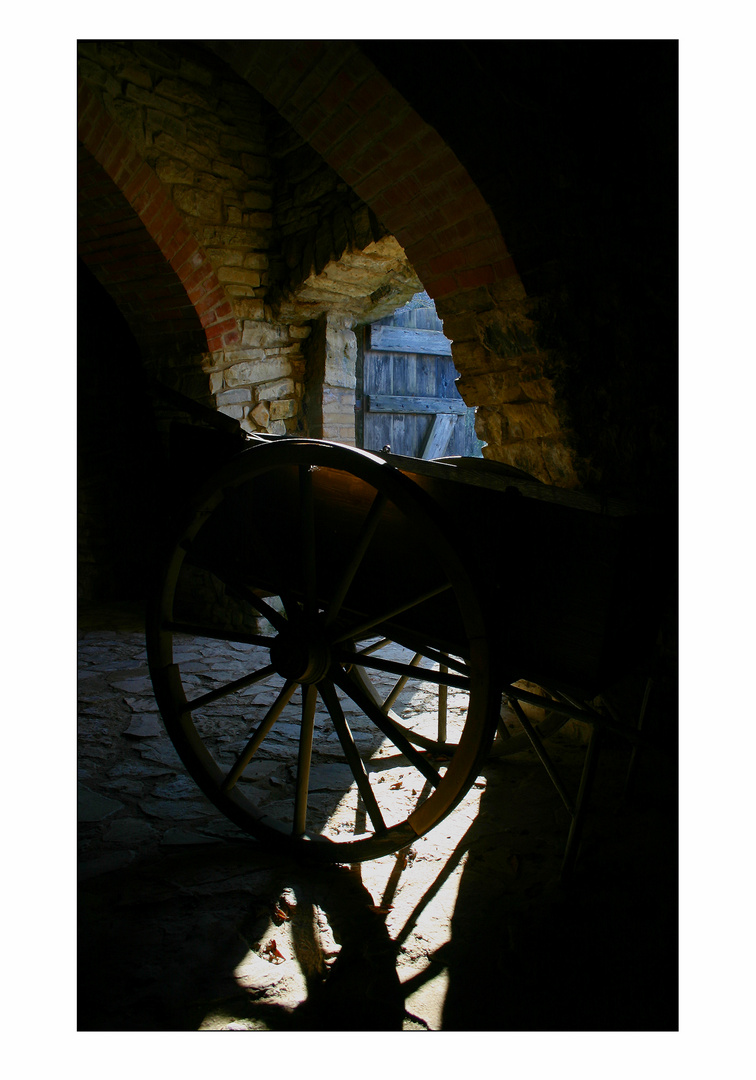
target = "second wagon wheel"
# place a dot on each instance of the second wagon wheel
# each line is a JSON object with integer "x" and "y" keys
{"x": 308, "y": 573}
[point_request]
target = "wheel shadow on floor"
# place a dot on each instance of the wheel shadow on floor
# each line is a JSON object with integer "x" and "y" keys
{"x": 229, "y": 937}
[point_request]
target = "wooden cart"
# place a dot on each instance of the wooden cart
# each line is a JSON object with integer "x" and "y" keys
{"x": 376, "y": 612}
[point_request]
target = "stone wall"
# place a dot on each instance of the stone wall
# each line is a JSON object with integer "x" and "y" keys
{"x": 318, "y": 217}
{"x": 331, "y": 179}
{"x": 199, "y": 127}
{"x": 280, "y": 240}
{"x": 505, "y": 374}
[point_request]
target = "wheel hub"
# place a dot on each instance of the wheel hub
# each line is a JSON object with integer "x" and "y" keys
{"x": 301, "y": 654}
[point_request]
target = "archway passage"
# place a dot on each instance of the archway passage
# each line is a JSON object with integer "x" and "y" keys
{"x": 407, "y": 396}
{"x": 540, "y": 356}
{"x": 150, "y": 200}
{"x": 349, "y": 111}
{"x": 127, "y": 261}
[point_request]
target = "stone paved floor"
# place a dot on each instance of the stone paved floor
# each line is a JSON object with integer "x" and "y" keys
{"x": 187, "y": 924}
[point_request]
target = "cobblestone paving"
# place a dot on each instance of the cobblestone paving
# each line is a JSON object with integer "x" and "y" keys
{"x": 187, "y": 924}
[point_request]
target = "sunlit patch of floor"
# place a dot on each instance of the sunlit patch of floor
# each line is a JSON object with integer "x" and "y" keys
{"x": 424, "y": 1006}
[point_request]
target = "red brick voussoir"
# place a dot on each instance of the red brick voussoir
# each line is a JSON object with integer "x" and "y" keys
{"x": 148, "y": 196}
{"x": 332, "y": 96}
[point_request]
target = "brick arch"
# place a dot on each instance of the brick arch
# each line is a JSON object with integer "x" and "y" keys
{"x": 334, "y": 97}
{"x": 138, "y": 245}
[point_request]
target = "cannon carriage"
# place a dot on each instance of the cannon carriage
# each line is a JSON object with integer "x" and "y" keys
{"x": 387, "y": 618}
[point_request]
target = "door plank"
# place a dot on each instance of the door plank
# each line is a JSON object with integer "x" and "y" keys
{"x": 396, "y": 404}
{"x": 438, "y": 436}
{"x": 401, "y": 339}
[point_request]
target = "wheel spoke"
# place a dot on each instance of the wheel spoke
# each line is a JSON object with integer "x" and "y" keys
{"x": 367, "y": 532}
{"x": 376, "y": 646}
{"x": 254, "y": 743}
{"x": 358, "y": 631}
{"x": 240, "y": 590}
{"x": 332, "y": 703}
{"x": 243, "y": 592}
{"x": 309, "y": 701}
{"x": 442, "y": 702}
{"x": 436, "y": 746}
{"x": 407, "y": 670}
{"x": 416, "y": 645}
{"x": 382, "y": 722}
{"x": 401, "y": 683}
{"x": 307, "y": 533}
{"x": 281, "y": 591}
{"x": 231, "y": 688}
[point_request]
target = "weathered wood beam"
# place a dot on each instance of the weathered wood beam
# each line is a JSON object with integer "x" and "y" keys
{"x": 438, "y": 436}
{"x": 385, "y": 403}
{"x": 406, "y": 340}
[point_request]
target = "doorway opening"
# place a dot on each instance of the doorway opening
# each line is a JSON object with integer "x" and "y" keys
{"x": 407, "y": 397}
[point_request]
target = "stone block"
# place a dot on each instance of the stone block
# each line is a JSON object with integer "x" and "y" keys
{"x": 98, "y": 76}
{"x": 340, "y": 372}
{"x": 219, "y": 184}
{"x": 280, "y": 410}
{"x": 239, "y": 355}
{"x": 177, "y": 90}
{"x": 213, "y": 361}
{"x": 277, "y": 427}
{"x": 249, "y": 309}
{"x": 509, "y": 338}
{"x": 224, "y": 256}
{"x": 237, "y": 275}
{"x": 202, "y": 204}
{"x": 256, "y": 260}
{"x": 233, "y": 236}
{"x": 179, "y": 150}
{"x": 504, "y": 293}
{"x": 152, "y": 100}
{"x": 174, "y": 172}
{"x": 242, "y": 290}
{"x": 460, "y": 328}
{"x": 471, "y": 355}
{"x": 230, "y": 172}
{"x": 274, "y": 391}
{"x": 539, "y": 390}
{"x": 131, "y": 119}
{"x": 234, "y": 397}
{"x": 234, "y": 411}
{"x": 262, "y": 335}
{"x": 216, "y": 382}
{"x": 251, "y": 373}
{"x": 491, "y": 388}
{"x": 530, "y": 420}
{"x": 559, "y": 462}
{"x": 261, "y": 415}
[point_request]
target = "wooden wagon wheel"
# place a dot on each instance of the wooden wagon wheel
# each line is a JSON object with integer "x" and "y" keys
{"x": 293, "y": 565}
